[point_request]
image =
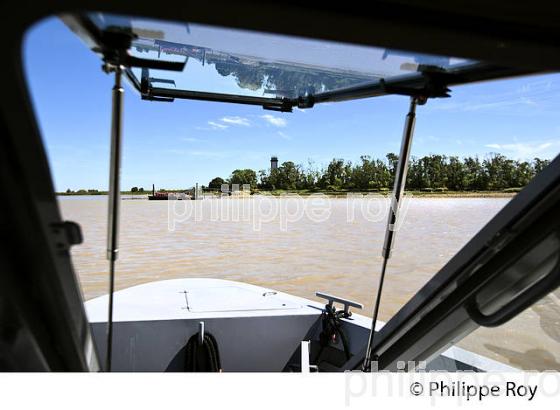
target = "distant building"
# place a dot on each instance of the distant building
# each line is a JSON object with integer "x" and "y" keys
{"x": 273, "y": 163}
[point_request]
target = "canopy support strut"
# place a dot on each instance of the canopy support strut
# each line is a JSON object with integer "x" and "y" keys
{"x": 114, "y": 45}
{"x": 114, "y": 197}
{"x": 398, "y": 191}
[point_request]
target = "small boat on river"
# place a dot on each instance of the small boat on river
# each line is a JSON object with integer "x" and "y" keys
{"x": 165, "y": 196}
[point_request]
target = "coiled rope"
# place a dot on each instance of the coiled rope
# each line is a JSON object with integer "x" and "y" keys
{"x": 202, "y": 357}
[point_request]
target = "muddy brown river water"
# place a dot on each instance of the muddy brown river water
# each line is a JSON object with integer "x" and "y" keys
{"x": 301, "y": 246}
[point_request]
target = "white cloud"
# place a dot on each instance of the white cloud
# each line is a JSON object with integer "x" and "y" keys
{"x": 284, "y": 135}
{"x": 276, "y": 121}
{"x": 207, "y": 154}
{"x": 217, "y": 154}
{"x": 484, "y": 105}
{"x": 217, "y": 126}
{"x": 174, "y": 151}
{"x": 525, "y": 100}
{"x": 528, "y": 150}
{"x": 234, "y": 120}
{"x": 224, "y": 123}
{"x": 190, "y": 139}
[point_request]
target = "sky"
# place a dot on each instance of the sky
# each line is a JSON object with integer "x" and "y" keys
{"x": 175, "y": 145}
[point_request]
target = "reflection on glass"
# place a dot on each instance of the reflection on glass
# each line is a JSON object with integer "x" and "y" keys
{"x": 249, "y": 63}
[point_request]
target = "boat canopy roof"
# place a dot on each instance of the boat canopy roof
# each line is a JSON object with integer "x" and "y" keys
{"x": 168, "y": 60}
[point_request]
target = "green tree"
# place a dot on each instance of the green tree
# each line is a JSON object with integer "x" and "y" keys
{"x": 335, "y": 175}
{"x": 287, "y": 176}
{"x": 496, "y": 171}
{"x": 455, "y": 174}
{"x": 216, "y": 183}
{"x": 263, "y": 181}
{"x": 244, "y": 176}
{"x": 524, "y": 172}
{"x": 540, "y": 164}
{"x": 311, "y": 175}
{"x": 439, "y": 172}
{"x": 370, "y": 174}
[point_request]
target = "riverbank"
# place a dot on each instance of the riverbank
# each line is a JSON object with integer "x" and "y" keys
{"x": 335, "y": 194}
{"x": 422, "y": 194}
{"x": 101, "y": 193}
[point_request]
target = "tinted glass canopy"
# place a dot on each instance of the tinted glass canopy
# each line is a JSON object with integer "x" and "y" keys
{"x": 248, "y": 63}
{"x": 166, "y": 60}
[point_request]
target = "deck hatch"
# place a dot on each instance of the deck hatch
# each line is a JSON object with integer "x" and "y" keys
{"x": 234, "y": 298}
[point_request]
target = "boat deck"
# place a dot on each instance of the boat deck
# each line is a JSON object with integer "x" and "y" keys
{"x": 257, "y": 328}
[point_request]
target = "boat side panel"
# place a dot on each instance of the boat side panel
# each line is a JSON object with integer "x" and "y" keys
{"x": 256, "y": 344}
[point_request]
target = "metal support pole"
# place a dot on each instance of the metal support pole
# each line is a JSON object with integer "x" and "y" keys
{"x": 114, "y": 199}
{"x": 398, "y": 191}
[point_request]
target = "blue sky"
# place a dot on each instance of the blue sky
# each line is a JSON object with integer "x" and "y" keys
{"x": 175, "y": 145}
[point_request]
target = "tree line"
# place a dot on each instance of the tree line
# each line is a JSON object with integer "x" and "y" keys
{"x": 495, "y": 172}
